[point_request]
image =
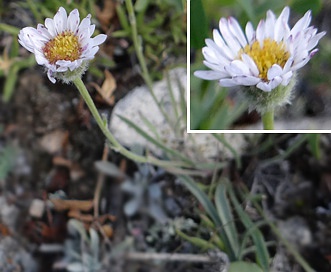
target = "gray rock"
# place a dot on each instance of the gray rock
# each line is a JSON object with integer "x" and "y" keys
{"x": 296, "y": 231}
{"x": 139, "y": 106}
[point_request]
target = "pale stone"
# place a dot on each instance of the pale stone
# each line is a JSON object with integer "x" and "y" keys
{"x": 139, "y": 104}
{"x": 53, "y": 141}
{"x": 37, "y": 208}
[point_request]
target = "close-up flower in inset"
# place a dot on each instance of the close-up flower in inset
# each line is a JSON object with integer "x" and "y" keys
{"x": 265, "y": 60}
{"x": 63, "y": 45}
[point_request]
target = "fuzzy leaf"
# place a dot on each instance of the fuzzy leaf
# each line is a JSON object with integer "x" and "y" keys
{"x": 109, "y": 169}
{"x": 244, "y": 267}
{"x": 75, "y": 267}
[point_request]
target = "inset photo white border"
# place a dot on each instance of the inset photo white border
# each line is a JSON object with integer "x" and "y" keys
{"x": 188, "y": 93}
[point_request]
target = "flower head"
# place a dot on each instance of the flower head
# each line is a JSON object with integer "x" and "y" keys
{"x": 265, "y": 58}
{"x": 63, "y": 45}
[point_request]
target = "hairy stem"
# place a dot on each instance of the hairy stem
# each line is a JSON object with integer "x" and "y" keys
{"x": 268, "y": 120}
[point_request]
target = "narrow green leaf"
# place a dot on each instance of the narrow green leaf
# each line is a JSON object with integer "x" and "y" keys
{"x": 210, "y": 210}
{"x": 246, "y": 238}
{"x": 314, "y": 144}
{"x": 15, "y": 67}
{"x": 182, "y": 92}
{"x": 206, "y": 221}
{"x": 123, "y": 19}
{"x": 10, "y": 83}
{"x": 198, "y": 25}
{"x": 202, "y": 197}
{"x": 221, "y": 138}
{"x": 150, "y": 126}
{"x": 225, "y": 214}
{"x": 262, "y": 254}
{"x": 141, "y": 5}
{"x": 172, "y": 96}
{"x": 120, "y": 34}
{"x": 108, "y": 169}
{"x": 197, "y": 241}
{"x": 9, "y": 29}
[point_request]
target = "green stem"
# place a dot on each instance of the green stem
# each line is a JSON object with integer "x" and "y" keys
{"x": 11, "y": 78}
{"x": 137, "y": 43}
{"x": 268, "y": 120}
{"x": 114, "y": 144}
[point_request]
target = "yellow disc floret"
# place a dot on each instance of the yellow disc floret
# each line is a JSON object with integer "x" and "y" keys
{"x": 64, "y": 46}
{"x": 266, "y": 54}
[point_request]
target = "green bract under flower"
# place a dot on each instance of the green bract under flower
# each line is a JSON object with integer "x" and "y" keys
{"x": 63, "y": 45}
{"x": 267, "y": 101}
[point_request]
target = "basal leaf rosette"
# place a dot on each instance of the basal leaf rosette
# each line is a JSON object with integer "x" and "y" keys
{"x": 264, "y": 61}
{"x": 63, "y": 44}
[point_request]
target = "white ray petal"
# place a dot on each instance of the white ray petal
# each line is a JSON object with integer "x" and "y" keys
{"x": 237, "y": 31}
{"x": 286, "y": 78}
{"x": 260, "y": 31}
{"x": 227, "y": 82}
{"x": 250, "y": 33}
{"x": 246, "y": 80}
{"x": 314, "y": 40}
{"x": 97, "y": 40}
{"x": 208, "y": 75}
{"x": 227, "y": 36}
{"x": 251, "y": 64}
{"x": 274, "y": 71}
{"x": 270, "y": 24}
{"x": 60, "y": 20}
{"x": 73, "y": 21}
{"x": 302, "y": 24}
{"x": 264, "y": 86}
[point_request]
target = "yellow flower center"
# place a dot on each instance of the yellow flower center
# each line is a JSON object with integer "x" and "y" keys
{"x": 265, "y": 56}
{"x": 64, "y": 46}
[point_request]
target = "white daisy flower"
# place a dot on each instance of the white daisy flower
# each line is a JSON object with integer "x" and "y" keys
{"x": 63, "y": 45}
{"x": 267, "y": 57}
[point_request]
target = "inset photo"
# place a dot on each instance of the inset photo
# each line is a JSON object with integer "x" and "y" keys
{"x": 259, "y": 65}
